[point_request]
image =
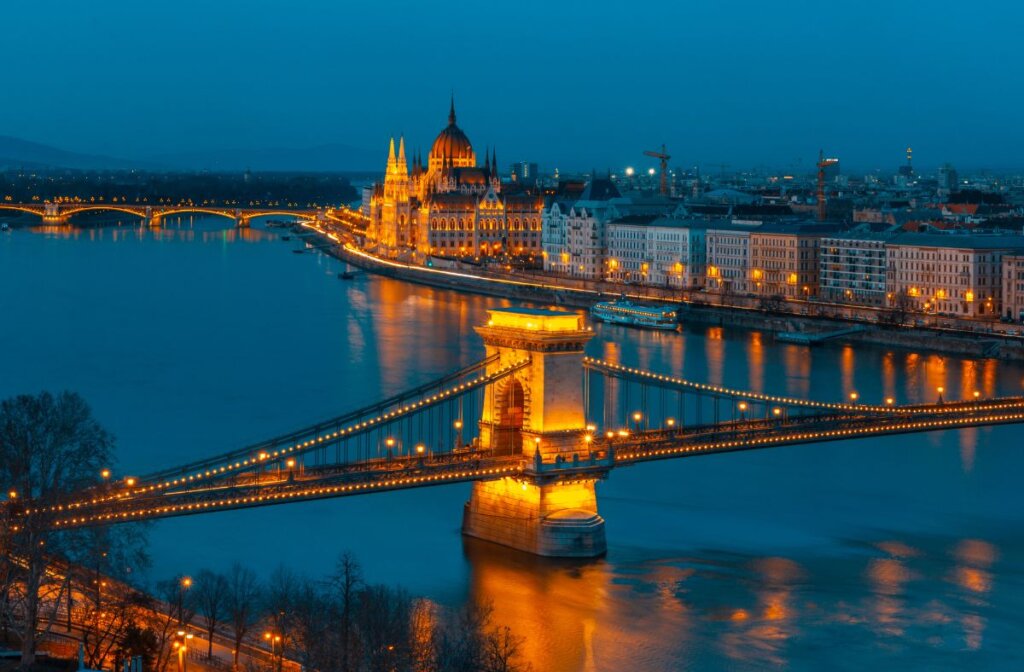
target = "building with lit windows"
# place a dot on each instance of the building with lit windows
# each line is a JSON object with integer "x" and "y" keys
{"x": 656, "y": 250}
{"x": 1013, "y": 287}
{"x": 950, "y": 274}
{"x": 784, "y": 258}
{"x": 573, "y": 229}
{"x": 449, "y": 206}
{"x": 728, "y": 258}
{"x": 852, "y": 267}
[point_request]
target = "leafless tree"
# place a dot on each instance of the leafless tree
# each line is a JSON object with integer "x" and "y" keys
{"x": 50, "y": 447}
{"x": 243, "y": 601}
{"x": 347, "y": 581}
{"x": 211, "y": 598}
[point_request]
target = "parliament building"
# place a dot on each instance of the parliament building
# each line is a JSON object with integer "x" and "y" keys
{"x": 450, "y": 206}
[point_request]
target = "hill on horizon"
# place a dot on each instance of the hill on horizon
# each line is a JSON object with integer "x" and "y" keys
{"x": 19, "y": 153}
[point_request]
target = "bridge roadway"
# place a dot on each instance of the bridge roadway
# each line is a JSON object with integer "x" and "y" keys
{"x": 620, "y": 449}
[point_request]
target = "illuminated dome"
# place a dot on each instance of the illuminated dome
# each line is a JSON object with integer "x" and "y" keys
{"x": 452, "y": 143}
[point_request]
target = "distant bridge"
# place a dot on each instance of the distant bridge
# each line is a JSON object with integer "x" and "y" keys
{"x": 154, "y": 215}
{"x": 534, "y": 425}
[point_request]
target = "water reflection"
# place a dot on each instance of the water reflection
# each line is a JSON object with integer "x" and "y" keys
{"x": 556, "y": 606}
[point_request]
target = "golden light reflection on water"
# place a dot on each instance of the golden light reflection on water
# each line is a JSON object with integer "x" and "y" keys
{"x": 974, "y": 559}
{"x": 761, "y": 632}
{"x": 714, "y": 353}
{"x": 555, "y": 606}
{"x": 603, "y": 616}
{"x": 847, "y": 364}
{"x": 755, "y": 362}
{"x": 797, "y": 363}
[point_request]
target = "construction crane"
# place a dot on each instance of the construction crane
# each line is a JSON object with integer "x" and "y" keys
{"x": 664, "y": 167}
{"x": 823, "y": 163}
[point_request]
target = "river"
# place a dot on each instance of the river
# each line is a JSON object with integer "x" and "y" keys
{"x": 902, "y": 552}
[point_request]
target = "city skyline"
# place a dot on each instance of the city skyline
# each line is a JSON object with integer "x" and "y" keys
{"x": 741, "y": 85}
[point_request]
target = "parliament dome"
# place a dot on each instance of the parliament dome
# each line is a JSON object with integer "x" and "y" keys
{"x": 452, "y": 143}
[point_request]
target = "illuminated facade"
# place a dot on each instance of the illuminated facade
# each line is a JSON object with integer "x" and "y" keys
{"x": 852, "y": 268}
{"x": 728, "y": 259}
{"x": 784, "y": 258}
{"x": 657, "y": 251}
{"x": 950, "y": 274}
{"x": 1013, "y": 286}
{"x": 450, "y": 206}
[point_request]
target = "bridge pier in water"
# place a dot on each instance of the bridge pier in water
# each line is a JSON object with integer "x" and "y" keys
{"x": 539, "y": 413}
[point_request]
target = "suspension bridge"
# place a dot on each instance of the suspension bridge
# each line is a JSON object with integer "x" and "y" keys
{"x": 534, "y": 425}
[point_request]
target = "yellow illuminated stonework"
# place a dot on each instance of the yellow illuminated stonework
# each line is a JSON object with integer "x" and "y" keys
{"x": 536, "y": 412}
{"x": 535, "y": 320}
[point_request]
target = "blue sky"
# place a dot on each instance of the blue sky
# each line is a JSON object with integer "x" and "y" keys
{"x": 567, "y": 84}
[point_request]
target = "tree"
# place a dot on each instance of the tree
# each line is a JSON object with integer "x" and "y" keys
{"x": 347, "y": 580}
{"x": 242, "y": 604}
{"x": 50, "y": 447}
{"x": 211, "y": 598}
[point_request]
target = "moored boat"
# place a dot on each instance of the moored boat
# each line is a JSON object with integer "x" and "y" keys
{"x": 651, "y": 316}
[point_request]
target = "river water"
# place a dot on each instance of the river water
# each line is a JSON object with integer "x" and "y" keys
{"x": 894, "y": 553}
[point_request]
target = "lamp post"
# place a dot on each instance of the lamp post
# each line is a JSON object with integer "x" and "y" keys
{"x": 276, "y": 647}
{"x": 186, "y": 583}
{"x": 458, "y": 433}
{"x": 181, "y": 645}
{"x": 637, "y": 417}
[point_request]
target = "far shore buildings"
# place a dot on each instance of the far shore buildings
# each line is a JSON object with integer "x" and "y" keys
{"x": 950, "y": 274}
{"x": 449, "y": 206}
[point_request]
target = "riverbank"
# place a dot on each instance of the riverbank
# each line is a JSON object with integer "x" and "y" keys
{"x": 575, "y": 294}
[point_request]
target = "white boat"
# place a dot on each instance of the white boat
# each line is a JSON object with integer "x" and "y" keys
{"x": 651, "y": 316}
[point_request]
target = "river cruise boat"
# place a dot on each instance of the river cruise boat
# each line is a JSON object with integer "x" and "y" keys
{"x": 650, "y": 316}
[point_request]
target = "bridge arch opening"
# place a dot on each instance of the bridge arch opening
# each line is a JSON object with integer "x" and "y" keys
{"x": 510, "y": 409}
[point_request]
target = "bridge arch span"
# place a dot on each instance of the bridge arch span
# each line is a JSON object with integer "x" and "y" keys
{"x": 274, "y": 213}
{"x": 230, "y": 214}
{"x": 138, "y": 212}
{"x": 23, "y": 208}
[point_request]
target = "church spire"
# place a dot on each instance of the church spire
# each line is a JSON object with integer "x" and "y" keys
{"x": 451, "y": 111}
{"x": 401, "y": 166}
{"x": 391, "y": 155}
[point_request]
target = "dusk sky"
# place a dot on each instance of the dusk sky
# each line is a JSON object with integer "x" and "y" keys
{"x": 567, "y": 84}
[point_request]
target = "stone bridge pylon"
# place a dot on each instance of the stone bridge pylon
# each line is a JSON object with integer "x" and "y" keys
{"x": 539, "y": 413}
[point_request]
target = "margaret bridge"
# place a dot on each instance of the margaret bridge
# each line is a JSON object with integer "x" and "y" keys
{"x": 535, "y": 425}
{"x": 61, "y": 213}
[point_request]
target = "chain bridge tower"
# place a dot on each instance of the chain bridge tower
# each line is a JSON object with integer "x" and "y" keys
{"x": 539, "y": 413}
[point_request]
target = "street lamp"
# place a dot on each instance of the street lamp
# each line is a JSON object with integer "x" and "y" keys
{"x": 458, "y": 433}
{"x": 276, "y": 647}
{"x": 186, "y": 583}
{"x": 940, "y": 389}
{"x": 637, "y": 417}
{"x": 671, "y": 423}
{"x": 743, "y": 410}
{"x": 181, "y": 645}
{"x": 854, "y": 397}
